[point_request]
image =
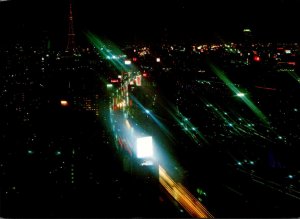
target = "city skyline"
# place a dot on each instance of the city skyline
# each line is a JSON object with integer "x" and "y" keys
{"x": 150, "y": 20}
{"x": 174, "y": 109}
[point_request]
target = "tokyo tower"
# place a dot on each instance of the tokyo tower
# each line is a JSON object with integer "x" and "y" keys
{"x": 71, "y": 46}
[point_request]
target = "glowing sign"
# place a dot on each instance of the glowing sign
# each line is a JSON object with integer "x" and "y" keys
{"x": 64, "y": 103}
{"x": 292, "y": 63}
{"x": 144, "y": 147}
{"x": 288, "y": 51}
{"x": 240, "y": 94}
{"x": 127, "y": 62}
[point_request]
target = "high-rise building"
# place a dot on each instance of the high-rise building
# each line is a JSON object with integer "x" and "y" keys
{"x": 71, "y": 45}
{"x": 88, "y": 103}
{"x": 248, "y": 36}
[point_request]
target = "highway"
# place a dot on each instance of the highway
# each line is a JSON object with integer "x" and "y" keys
{"x": 126, "y": 133}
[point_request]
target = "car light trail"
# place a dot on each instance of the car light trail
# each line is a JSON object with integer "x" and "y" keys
{"x": 265, "y": 88}
{"x": 183, "y": 196}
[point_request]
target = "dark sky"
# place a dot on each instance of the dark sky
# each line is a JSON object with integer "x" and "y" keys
{"x": 153, "y": 19}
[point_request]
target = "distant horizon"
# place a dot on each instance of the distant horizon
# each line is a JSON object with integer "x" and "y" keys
{"x": 59, "y": 41}
{"x": 151, "y": 21}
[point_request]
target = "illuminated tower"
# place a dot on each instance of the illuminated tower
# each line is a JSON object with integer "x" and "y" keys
{"x": 71, "y": 47}
{"x": 248, "y": 36}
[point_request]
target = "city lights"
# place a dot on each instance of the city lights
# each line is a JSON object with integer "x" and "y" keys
{"x": 103, "y": 116}
{"x": 144, "y": 147}
{"x": 127, "y": 62}
{"x": 64, "y": 103}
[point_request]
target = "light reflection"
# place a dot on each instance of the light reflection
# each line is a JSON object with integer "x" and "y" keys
{"x": 183, "y": 196}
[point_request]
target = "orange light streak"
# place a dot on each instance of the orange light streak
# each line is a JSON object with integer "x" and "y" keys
{"x": 183, "y": 196}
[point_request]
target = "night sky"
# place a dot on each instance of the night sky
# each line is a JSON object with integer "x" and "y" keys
{"x": 153, "y": 19}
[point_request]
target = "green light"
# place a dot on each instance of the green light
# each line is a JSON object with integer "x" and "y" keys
{"x": 188, "y": 126}
{"x": 294, "y": 75}
{"x": 240, "y": 94}
{"x": 109, "y": 85}
{"x": 57, "y": 153}
{"x": 201, "y": 192}
{"x": 30, "y": 152}
{"x": 109, "y": 51}
{"x": 235, "y": 90}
